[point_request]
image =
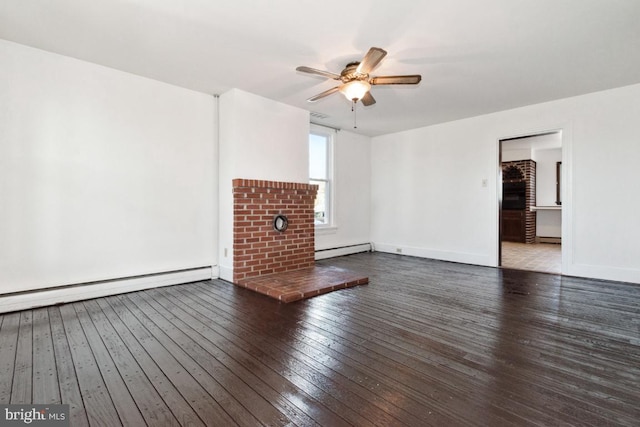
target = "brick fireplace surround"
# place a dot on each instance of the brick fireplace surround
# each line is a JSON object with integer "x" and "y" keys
{"x": 280, "y": 264}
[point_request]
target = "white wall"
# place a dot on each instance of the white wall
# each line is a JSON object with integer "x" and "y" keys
{"x": 546, "y": 175}
{"x": 259, "y": 139}
{"x": 548, "y": 223}
{"x": 428, "y": 198}
{"x": 103, "y": 174}
{"x": 514, "y": 155}
{"x": 352, "y": 198}
{"x": 427, "y": 194}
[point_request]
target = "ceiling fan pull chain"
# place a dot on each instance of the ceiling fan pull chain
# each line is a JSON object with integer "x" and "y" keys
{"x": 354, "y": 108}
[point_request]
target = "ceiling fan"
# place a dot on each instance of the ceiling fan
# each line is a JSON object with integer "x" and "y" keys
{"x": 356, "y": 82}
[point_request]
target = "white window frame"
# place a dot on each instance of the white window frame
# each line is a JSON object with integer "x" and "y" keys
{"x": 329, "y": 134}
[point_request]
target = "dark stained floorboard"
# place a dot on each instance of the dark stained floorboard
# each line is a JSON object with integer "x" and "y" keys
{"x": 425, "y": 343}
{"x": 151, "y": 405}
{"x": 170, "y": 364}
{"x": 425, "y": 414}
{"x": 8, "y": 343}
{"x": 46, "y": 388}
{"x": 349, "y": 392}
{"x": 218, "y": 361}
{"x": 379, "y": 368}
{"x": 98, "y": 402}
{"x": 23, "y": 370}
{"x": 305, "y": 378}
{"x": 249, "y": 357}
{"x": 66, "y": 371}
{"x": 120, "y": 396}
{"x": 444, "y": 361}
{"x": 175, "y": 401}
{"x": 223, "y": 386}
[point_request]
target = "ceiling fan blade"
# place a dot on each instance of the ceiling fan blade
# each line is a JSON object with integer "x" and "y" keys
{"x": 413, "y": 79}
{"x": 323, "y": 73}
{"x": 368, "y": 99}
{"x": 323, "y": 94}
{"x": 371, "y": 60}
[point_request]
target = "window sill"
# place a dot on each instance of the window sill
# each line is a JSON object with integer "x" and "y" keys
{"x": 326, "y": 229}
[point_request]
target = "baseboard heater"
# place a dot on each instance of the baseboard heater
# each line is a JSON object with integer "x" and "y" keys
{"x": 82, "y": 291}
{"x": 343, "y": 250}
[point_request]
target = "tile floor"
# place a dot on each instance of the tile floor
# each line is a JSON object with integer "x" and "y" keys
{"x": 544, "y": 257}
{"x": 304, "y": 283}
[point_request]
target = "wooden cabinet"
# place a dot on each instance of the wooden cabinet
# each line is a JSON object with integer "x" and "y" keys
{"x": 513, "y": 226}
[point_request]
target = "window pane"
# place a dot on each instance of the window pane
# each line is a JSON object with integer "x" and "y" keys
{"x": 318, "y": 156}
{"x": 320, "y": 214}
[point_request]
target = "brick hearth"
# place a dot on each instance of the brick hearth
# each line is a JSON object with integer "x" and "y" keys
{"x": 304, "y": 283}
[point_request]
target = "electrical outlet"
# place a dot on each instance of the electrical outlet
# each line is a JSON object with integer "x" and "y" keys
{"x": 399, "y": 250}
{"x": 225, "y": 252}
{"x": 485, "y": 181}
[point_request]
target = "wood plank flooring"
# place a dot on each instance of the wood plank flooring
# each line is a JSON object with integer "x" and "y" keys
{"x": 425, "y": 343}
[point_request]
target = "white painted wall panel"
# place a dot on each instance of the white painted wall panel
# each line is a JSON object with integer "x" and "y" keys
{"x": 427, "y": 196}
{"x": 548, "y": 223}
{"x": 352, "y": 198}
{"x": 103, "y": 174}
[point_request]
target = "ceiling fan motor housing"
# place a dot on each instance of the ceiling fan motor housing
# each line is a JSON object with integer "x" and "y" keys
{"x": 349, "y": 73}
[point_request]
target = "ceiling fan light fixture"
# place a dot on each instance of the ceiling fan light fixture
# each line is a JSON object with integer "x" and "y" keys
{"x": 355, "y": 79}
{"x": 355, "y": 90}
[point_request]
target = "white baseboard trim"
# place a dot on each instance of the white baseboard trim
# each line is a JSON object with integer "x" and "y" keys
{"x": 226, "y": 273}
{"x": 44, "y": 297}
{"x": 617, "y": 274}
{"x": 461, "y": 257}
{"x": 341, "y": 251}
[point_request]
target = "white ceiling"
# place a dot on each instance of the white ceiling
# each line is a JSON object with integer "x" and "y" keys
{"x": 475, "y": 57}
{"x": 547, "y": 141}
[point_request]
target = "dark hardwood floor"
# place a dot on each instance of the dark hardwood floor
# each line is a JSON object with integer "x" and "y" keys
{"x": 425, "y": 343}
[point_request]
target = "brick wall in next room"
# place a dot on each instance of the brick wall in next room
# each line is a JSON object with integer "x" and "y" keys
{"x": 528, "y": 175}
{"x": 258, "y": 249}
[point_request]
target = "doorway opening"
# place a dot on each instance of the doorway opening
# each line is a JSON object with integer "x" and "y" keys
{"x": 530, "y": 205}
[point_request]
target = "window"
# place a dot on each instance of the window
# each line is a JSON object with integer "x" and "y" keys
{"x": 320, "y": 174}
